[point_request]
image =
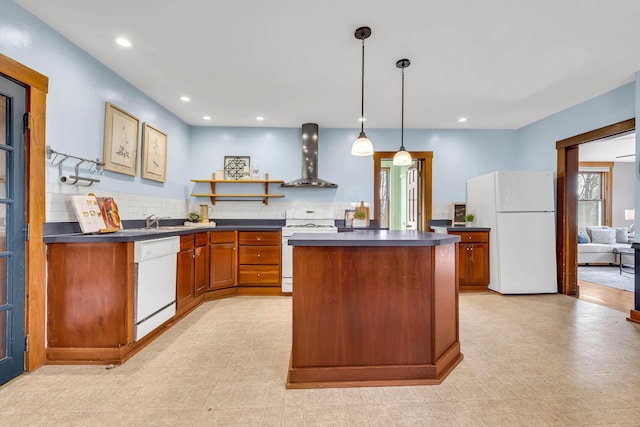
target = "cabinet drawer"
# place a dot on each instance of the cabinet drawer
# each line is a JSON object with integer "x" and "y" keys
{"x": 222, "y": 236}
{"x": 259, "y": 274}
{"x": 472, "y": 236}
{"x": 259, "y": 255}
{"x": 259, "y": 238}
{"x": 202, "y": 239}
{"x": 186, "y": 241}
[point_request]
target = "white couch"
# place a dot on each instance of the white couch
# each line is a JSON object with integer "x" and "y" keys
{"x": 601, "y": 244}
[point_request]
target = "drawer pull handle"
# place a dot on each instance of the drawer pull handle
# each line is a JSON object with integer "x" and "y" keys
{"x": 259, "y": 274}
{"x": 469, "y": 237}
{"x": 258, "y": 238}
{"x": 259, "y": 255}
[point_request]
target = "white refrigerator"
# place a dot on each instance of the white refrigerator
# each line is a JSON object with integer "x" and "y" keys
{"x": 519, "y": 208}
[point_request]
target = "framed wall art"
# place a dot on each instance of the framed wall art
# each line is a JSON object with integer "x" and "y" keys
{"x": 235, "y": 167}
{"x": 121, "y": 134}
{"x": 154, "y": 153}
{"x": 459, "y": 212}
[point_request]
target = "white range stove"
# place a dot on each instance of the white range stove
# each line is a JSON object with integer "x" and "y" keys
{"x": 301, "y": 221}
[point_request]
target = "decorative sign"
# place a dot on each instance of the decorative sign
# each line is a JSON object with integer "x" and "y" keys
{"x": 235, "y": 167}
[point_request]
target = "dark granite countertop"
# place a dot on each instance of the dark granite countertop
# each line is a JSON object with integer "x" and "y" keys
{"x": 373, "y": 238}
{"x": 134, "y": 230}
{"x": 468, "y": 229}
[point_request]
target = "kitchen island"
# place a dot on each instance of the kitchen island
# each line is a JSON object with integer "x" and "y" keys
{"x": 373, "y": 308}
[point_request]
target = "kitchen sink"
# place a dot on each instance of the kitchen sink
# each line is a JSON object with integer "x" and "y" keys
{"x": 161, "y": 229}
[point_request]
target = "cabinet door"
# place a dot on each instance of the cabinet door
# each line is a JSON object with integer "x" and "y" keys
{"x": 222, "y": 265}
{"x": 201, "y": 269}
{"x": 185, "y": 277}
{"x": 478, "y": 264}
{"x": 463, "y": 262}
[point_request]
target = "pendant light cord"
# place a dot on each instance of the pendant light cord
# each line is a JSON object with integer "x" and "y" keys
{"x": 402, "y": 118}
{"x": 362, "y": 97}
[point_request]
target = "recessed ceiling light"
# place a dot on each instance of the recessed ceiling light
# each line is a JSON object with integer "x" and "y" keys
{"x": 185, "y": 99}
{"x": 259, "y": 118}
{"x": 362, "y": 119}
{"x": 123, "y": 42}
{"x": 462, "y": 119}
{"x": 206, "y": 117}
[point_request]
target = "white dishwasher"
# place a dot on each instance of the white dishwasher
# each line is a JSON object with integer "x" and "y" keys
{"x": 155, "y": 283}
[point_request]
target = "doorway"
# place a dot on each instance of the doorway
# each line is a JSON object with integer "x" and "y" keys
{"x": 567, "y": 205}
{"x": 12, "y": 229}
{"x": 415, "y": 206}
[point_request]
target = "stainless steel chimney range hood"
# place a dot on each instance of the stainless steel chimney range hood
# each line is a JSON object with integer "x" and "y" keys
{"x": 310, "y": 161}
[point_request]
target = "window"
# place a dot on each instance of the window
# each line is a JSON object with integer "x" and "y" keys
{"x": 590, "y": 198}
{"x": 594, "y": 195}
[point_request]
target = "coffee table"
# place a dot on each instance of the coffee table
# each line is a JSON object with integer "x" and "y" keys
{"x": 625, "y": 252}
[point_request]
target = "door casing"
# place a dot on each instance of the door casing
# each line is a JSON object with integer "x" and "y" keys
{"x": 567, "y": 203}
{"x": 425, "y": 176}
{"x": 37, "y": 86}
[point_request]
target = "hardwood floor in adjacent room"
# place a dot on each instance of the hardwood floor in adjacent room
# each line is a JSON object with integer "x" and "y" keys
{"x": 616, "y": 299}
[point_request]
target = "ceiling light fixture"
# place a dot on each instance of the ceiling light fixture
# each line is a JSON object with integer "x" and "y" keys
{"x": 462, "y": 119}
{"x": 185, "y": 99}
{"x": 362, "y": 146}
{"x": 206, "y": 117}
{"x": 123, "y": 42}
{"x": 402, "y": 157}
{"x": 259, "y": 118}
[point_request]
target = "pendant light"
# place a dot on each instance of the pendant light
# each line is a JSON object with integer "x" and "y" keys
{"x": 362, "y": 146}
{"x": 402, "y": 157}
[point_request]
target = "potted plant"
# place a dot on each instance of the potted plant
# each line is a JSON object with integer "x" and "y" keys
{"x": 193, "y": 217}
{"x": 469, "y": 219}
{"x": 359, "y": 220}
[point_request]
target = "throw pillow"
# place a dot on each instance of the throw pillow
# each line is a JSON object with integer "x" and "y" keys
{"x": 622, "y": 235}
{"x": 582, "y": 237}
{"x": 605, "y": 236}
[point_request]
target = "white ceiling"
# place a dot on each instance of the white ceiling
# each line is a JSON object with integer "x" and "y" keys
{"x": 501, "y": 63}
{"x": 617, "y": 149}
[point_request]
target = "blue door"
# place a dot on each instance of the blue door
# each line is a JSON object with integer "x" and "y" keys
{"x": 12, "y": 229}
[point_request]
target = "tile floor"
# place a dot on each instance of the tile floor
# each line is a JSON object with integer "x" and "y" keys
{"x": 529, "y": 360}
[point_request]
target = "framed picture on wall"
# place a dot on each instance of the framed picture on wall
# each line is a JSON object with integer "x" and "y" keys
{"x": 236, "y": 167}
{"x": 121, "y": 134}
{"x": 459, "y": 211}
{"x": 154, "y": 153}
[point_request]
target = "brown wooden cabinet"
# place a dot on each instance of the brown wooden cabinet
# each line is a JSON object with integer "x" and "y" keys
{"x": 259, "y": 258}
{"x": 223, "y": 259}
{"x": 90, "y": 302}
{"x": 192, "y": 277}
{"x": 473, "y": 259}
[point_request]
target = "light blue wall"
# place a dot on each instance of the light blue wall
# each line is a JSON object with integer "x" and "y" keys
{"x": 538, "y": 140}
{"x": 458, "y": 155}
{"x": 79, "y": 86}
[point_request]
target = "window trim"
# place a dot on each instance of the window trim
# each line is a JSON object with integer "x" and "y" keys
{"x": 607, "y": 170}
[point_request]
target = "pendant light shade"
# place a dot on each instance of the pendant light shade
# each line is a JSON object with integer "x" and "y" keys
{"x": 402, "y": 157}
{"x": 362, "y": 146}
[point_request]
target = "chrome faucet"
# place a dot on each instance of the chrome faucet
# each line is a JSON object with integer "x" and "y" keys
{"x": 151, "y": 220}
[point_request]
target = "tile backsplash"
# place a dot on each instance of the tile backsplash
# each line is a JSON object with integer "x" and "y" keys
{"x": 135, "y": 206}
{"x": 130, "y": 206}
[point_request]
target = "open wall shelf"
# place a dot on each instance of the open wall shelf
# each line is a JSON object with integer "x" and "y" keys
{"x": 240, "y": 196}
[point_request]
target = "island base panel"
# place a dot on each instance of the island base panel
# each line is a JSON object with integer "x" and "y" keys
{"x": 374, "y": 316}
{"x": 375, "y": 376}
